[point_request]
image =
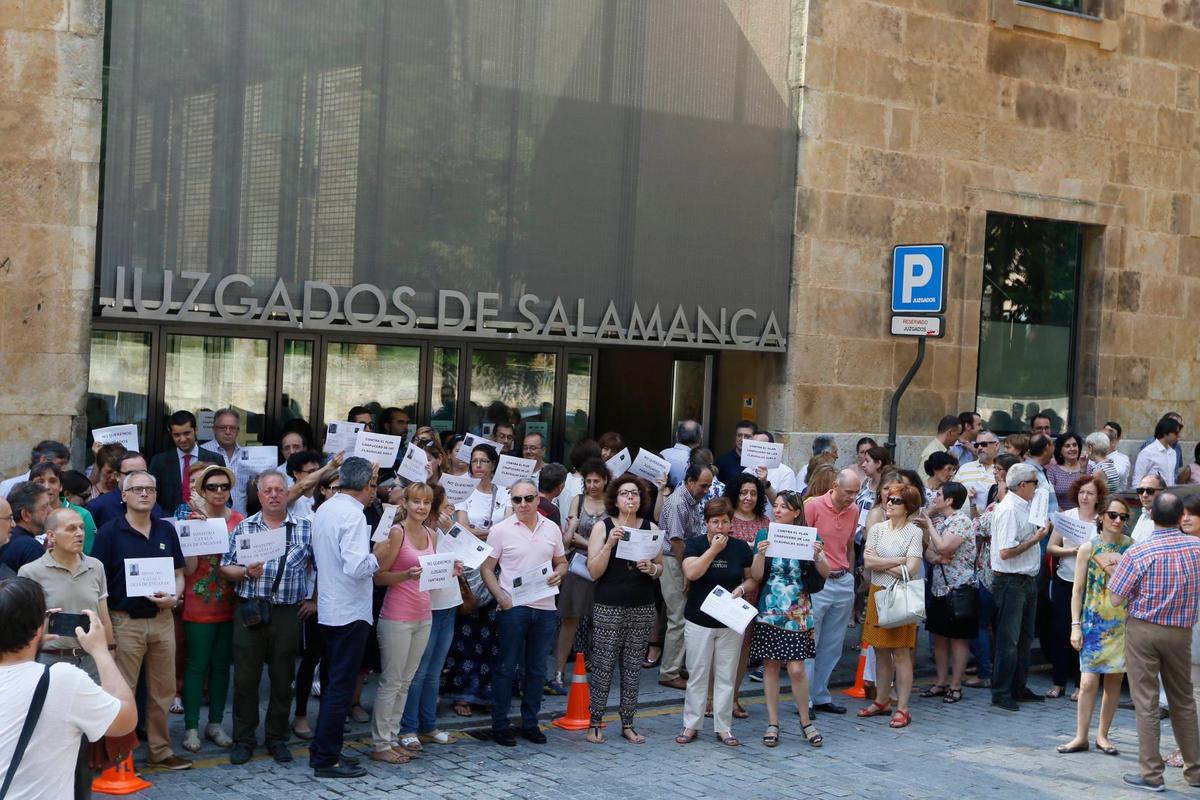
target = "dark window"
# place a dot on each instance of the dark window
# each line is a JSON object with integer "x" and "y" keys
{"x": 1028, "y": 321}
{"x": 1062, "y": 5}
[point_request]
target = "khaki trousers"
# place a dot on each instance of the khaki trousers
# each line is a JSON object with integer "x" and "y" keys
{"x": 151, "y": 642}
{"x": 671, "y": 583}
{"x": 401, "y": 645}
{"x": 1154, "y": 651}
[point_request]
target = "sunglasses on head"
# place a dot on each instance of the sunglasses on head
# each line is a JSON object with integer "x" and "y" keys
{"x": 1115, "y": 515}
{"x": 524, "y": 498}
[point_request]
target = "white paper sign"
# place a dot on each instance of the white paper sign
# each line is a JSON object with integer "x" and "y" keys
{"x": 1039, "y": 507}
{"x": 465, "y": 546}
{"x": 618, "y": 464}
{"x": 147, "y": 576}
{"x": 469, "y": 443}
{"x": 761, "y": 454}
{"x": 512, "y": 469}
{"x": 650, "y": 466}
{"x": 340, "y": 436}
{"x": 204, "y": 424}
{"x": 202, "y": 537}
{"x": 458, "y": 487}
{"x": 730, "y": 611}
{"x": 639, "y": 545}
{"x": 256, "y": 458}
{"x": 385, "y": 522}
{"x": 790, "y": 541}
{"x": 253, "y": 548}
{"x": 412, "y": 468}
{"x": 437, "y": 571}
{"x": 379, "y": 448}
{"x": 531, "y": 586}
{"x": 124, "y": 435}
{"x": 1074, "y": 531}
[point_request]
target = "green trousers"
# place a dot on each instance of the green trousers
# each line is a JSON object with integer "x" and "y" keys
{"x": 209, "y": 655}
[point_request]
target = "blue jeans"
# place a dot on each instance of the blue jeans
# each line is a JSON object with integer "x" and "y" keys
{"x": 344, "y": 647}
{"x": 420, "y": 709}
{"x": 524, "y": 633}
{"x": 981, "y": 648}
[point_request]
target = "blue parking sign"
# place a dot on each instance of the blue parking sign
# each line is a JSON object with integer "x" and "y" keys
{"x": 919, "y": 279}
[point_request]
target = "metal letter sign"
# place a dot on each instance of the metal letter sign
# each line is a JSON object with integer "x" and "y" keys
{"x": 919, "y": 279}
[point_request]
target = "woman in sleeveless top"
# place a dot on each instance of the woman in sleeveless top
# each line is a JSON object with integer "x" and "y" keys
{"x": 575, "y": 598}
{"x": 624, "y": 612}
{"x": 1098, "y": 628}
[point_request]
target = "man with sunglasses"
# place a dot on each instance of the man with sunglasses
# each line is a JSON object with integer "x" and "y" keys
{"x": 987, "y": 447}
{"x": 1148, "y": 488}
{"x": 1016, "y": 560}
{"x": 522, "y": 542}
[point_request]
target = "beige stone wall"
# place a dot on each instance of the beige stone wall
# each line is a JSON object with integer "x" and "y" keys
{"x": 920, "y": 116}
{"x": 50, "y": 96}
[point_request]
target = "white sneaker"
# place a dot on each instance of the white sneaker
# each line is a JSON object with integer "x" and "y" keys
{"x": 217, "y": 735}
{"x": 191, "y": 740}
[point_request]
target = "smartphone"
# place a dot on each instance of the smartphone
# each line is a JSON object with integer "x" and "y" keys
{"x": 64, "y": 624}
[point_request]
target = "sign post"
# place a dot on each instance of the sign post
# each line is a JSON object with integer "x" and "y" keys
{"x": 918, "y": 300}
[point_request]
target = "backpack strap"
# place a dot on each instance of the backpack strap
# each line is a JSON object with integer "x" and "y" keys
{"x": 31, "y": 721}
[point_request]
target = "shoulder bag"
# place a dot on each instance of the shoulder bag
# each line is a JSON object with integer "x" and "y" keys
{"x": 31, "y": 720}
{"x": 962, "y": 601}
{"x": 255, "y": 612}
{"x": 902, "y": 603}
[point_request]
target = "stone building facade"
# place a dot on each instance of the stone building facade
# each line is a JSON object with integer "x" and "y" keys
{"x": 50, "y": 109}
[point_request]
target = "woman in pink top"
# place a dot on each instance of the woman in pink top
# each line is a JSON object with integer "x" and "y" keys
{"x": 404, "y": 623}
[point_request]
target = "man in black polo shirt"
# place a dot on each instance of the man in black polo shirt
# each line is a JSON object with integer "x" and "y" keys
{"x": 143, "y": 626}
{"x": 109, "y": 505}
{"x": 30, "y": 504}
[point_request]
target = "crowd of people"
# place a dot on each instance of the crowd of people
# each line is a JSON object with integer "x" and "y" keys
{"x": 1001, "y": 540}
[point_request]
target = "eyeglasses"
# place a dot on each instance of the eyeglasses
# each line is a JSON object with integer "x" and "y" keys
{"x": 1147, "y": 490}
{"x": 217, "y": 487}
{"x": 1115, "y": 515}
{"x": 9, "y": 518}
{"x": 142, "y": 490}
{"x": 628, "y": 493}
{"x": 227, "y": 427}
{"x": 894, "y": 501}
{"x": 1031, "y": 480}
{"x": 525, "y": 498}
{"x": 981, "y": 445}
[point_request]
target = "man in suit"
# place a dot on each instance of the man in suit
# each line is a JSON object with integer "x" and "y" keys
{"x": 170, "y": 468}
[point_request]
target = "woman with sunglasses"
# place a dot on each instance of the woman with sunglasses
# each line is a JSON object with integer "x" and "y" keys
{"x": 623, "y": 612}
{"x": 892, "y": 547}
{"x": 208, "y": 605}
{"x": 1098, "y": 628}
{"x": 783, "y": 630}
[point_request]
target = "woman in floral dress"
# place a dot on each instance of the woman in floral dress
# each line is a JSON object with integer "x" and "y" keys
{"x": 951, "y": 554}
{"x": 783, "y": 630}
{"x": 1099, "y": 630}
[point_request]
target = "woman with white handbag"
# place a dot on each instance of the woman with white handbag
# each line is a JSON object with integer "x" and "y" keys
{"x": 896, "y": 600}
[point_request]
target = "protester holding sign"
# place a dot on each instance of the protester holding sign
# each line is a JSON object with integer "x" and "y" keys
{"x": 712, "y": 560}
{"x": 783, "y": 631}
{"x": 1086, "y": 494}
{"x": 487, "y": 504}
{"x": 1098, "y": 627}
{"x": 749, "y": 517}
{"x": 624, "y": 611}
{"x": 208, "y": 605}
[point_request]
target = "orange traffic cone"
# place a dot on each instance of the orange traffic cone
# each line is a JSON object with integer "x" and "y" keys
{"x": 120, "y": 779}
{"x": 578, "y": 717}
{"x": 858, "y": 689}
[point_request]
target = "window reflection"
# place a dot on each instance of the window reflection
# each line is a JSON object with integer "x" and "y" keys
{"x": 206, "y": 373}
{"x": 444, "y": 389}
{"x": 511, "y": 386}
{"x": 373, "y": 375}
{"x": 578, "y": 401}
{"x": 297, "y": 380}
{"x": 119, "y": 382}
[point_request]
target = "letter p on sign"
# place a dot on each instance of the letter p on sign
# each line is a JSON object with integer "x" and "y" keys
{"x": 919, "y": 279}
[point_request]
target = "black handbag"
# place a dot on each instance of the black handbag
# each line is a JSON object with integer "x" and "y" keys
{"x": 811, "y": 578}
{"x": 962, "y": 601}
{"x": 255, "y": 612}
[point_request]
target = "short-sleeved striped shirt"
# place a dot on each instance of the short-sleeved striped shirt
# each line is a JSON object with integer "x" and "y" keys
{"x": 1160, "y": 578}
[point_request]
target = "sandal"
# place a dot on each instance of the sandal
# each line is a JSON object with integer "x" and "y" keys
{"x": 937, "y": 690}
{"x": 632, "y": 736}
{"x": 978, "y": 683}
{"x": 739, "y": 712}
{"x": 687, "y": 737}
{"x": 594, "y": 735}
{"x": 1055, "y": 692}
{"x": 411, "y": 742}
{"x": 389, "y": 757}
{"x": 814, "y": 738}
{"x": 1075, "y": 696}
{"x": 771, "y": 739}
{"x": 875, "y": 709}
{"x": 463, "y": 709}
{"x": 900, "y": 719}
{"x": 647, "y": 663}
{"x": 952, "y": 696}
{"x": 728, "y": 739}
{"x": 1174, "y": 759}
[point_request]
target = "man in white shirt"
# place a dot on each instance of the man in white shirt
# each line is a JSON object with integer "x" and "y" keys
{"x": 689, "y": 435}
{"x": 1016, "y": 560}
{"x": 964, "y": 448}
{"x": 47, "y": 450}
{"x": 1148, "y": 488}
{"x": 1159, "y": 457}
{"x": 227, "y": 427}
{"x": 74, "y": 705}
{"x": 345, "y": 571}
{"x": 1120, "y": 460}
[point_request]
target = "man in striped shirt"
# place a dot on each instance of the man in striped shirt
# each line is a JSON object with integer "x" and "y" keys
{"x": 1160, "y": 580}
